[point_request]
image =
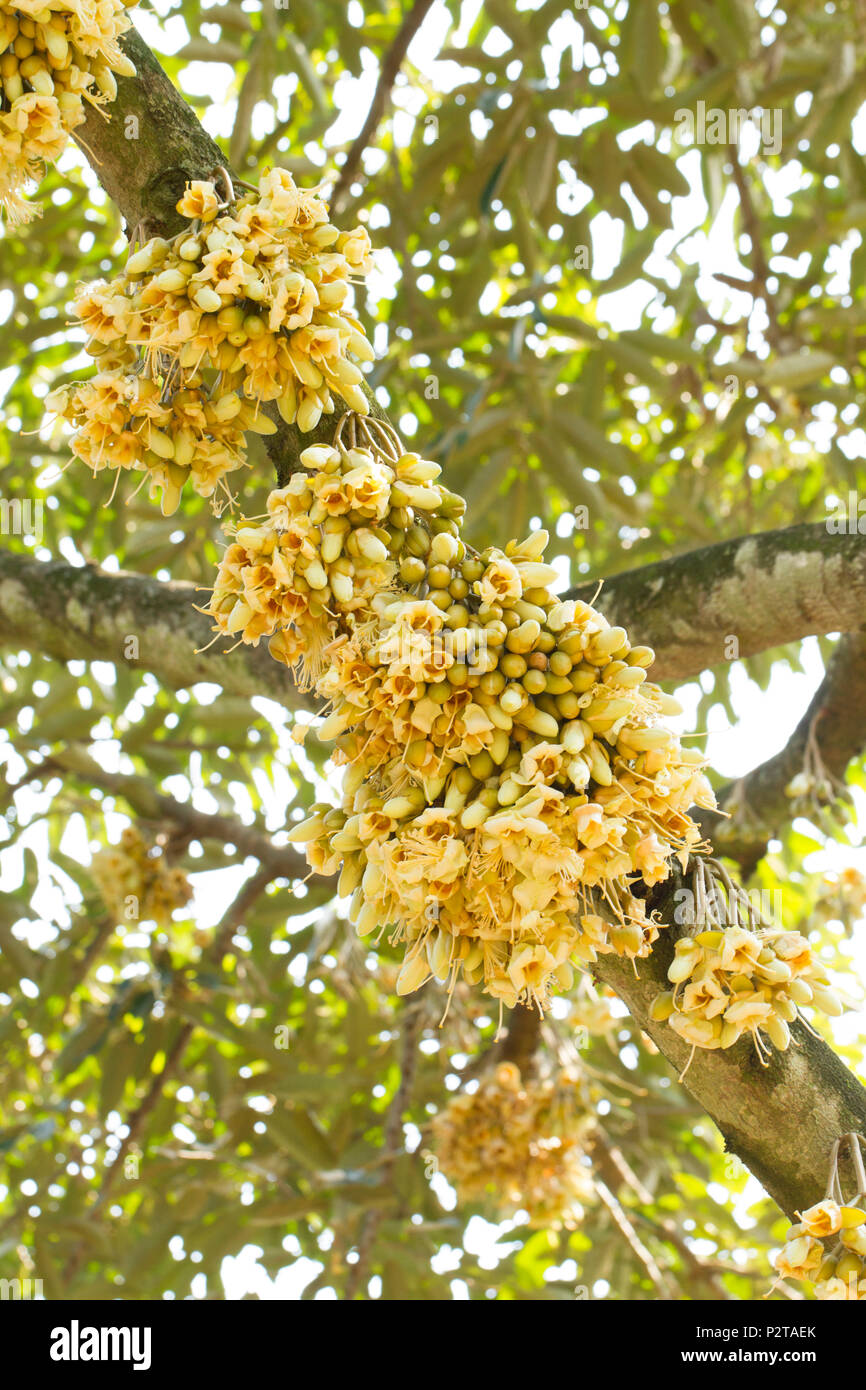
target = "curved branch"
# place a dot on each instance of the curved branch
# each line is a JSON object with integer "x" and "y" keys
{"x": 762, "y": 590}
{"x": 83, "y": 613}
{"x": 758, "y": 804}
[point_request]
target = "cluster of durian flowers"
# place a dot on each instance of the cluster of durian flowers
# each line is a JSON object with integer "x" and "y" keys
{"x": 307, "y": 574}
{"x": 837, "y": 1270}
{"x": 54, "y": 56}
{"x": 727, "y": 982}
{"x": 842, "y": 895}
{"x": 136, "y": 883}
{"x": 508, "y": 779}
{"x": 519, "y": 1144}
{"x": 249, "y": 304}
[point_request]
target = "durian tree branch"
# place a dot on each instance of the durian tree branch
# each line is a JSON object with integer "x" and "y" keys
{"x": 83, "y": 613}
{"x": 146, "y": 145}
{"x": 762, "y": 590}
{"x": 758, "y": 804}
{"x": 780, "y": 1120}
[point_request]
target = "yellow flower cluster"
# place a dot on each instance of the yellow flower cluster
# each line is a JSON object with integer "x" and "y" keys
{"x": 837, "y": 1274}
{"x": 54, "y": 56}
{"x": 247, "y": 305}
{"x": 308, "y": 573}
{"x": 135, "y": 884}
{"x": 508, "y": 778}
{"x": 519, "y": 1144}
{"x": 730, "y": 982}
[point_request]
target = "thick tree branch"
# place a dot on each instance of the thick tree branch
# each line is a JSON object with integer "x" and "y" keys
{"x": 82, "y": 613}
{"x": 146, "y": 145}
{"x": 782, "y": 1119}
{"x": 833, "y": 727}
{"x": 805, "y": 582}
{"x": 764, "y": 590}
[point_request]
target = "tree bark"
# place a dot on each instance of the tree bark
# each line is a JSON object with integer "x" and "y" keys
{"x": 763, "y": 591}
{"x": 83, "y": 613}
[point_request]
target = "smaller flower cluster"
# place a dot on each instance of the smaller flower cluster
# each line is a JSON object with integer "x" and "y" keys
{"x": 137, "y": 885}
{"x": 248, "y": 305}
{"x": 590, "y": 1012}
{"x": 520, "y": 1145}
{"x": 842, "y": 895}
{"x": 838, "y": 1273}
{"x": 124, "y": 422}
{"x": 54, "y": 56}
{"x": 733, "y": 981}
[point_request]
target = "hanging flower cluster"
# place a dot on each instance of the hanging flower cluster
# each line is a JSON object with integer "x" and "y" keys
{"x": 508, "y": 777}
{"x": 520, "y": 1145}
{"x": 310, "y": 571}
{"x": 248, "y": 305}
{"x": 54, "y": 56}
{"x": 137, "y": 885}
{"x": 836, "y": 1272}
{"x": 734, "y": 981}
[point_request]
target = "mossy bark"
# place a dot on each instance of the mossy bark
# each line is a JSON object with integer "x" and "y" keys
{"x": 84, "y": 613}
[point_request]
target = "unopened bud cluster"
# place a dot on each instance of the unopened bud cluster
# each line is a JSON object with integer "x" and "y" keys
{"x": 519, "y": 1145}
{"x": 836, "y": 1273}
{"x": 249, "y": 304}
{"x": 733, "y": 981}
{"x": 508, "y": 775}
{"x": 54, "y": 56}
{"x": 130, "y": 870}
